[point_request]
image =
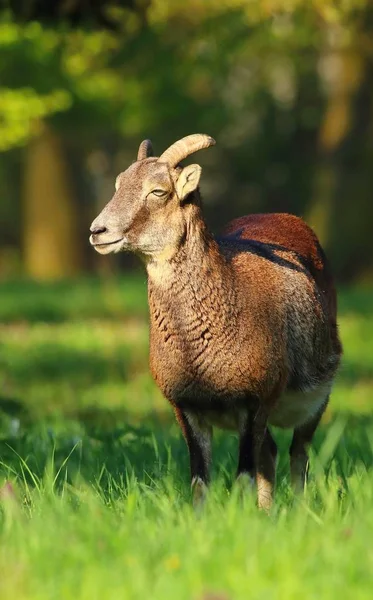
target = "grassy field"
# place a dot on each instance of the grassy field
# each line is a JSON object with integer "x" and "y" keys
{"x": 94, "y": 490}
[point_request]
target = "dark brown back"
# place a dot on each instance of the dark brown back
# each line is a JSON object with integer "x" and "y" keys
{"x": 289, "y": 232}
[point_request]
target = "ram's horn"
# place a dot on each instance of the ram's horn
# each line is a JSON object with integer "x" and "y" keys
{"x": 186, "y": 146}
{"x": 145, "y": 150}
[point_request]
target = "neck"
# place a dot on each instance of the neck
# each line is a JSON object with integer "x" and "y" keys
{"x": 196, "y": 279}
{"x": 196, "y": 251}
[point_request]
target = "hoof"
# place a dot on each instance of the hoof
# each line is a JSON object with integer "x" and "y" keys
{"x": 199, "y": 492}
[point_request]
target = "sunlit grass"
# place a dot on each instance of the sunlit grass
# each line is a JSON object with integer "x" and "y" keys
{"x": 94, "y": 490}
{"x": 134, "y": 534}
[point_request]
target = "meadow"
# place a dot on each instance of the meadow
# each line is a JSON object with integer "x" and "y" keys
{"x": 94, "y": 482}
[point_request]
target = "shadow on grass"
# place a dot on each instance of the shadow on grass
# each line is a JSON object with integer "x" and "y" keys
{"x": 356, "y": 300}
{"x": 111, "y": 298}
{"x": 49, "y": 362}
{"x": 103, "y": 450}
{"x": 86, "y": 298}
{"x": 352, "y": 372}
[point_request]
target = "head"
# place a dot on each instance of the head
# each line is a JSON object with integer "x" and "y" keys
{"x": 147, "y": 213}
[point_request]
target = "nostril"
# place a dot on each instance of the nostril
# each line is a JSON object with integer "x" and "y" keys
{"x": 98, "y": 229}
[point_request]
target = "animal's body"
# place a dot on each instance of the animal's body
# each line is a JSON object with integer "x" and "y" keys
{"x": 243, "y": 328}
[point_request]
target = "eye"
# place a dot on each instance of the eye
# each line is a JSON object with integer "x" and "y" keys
{"x": 159, "y": 192}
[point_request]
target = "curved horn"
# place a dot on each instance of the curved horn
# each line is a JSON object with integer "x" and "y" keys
{"x": 186, "y": 146}
{"x": 145, "y": 150}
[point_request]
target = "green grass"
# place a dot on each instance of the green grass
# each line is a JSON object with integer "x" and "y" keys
{"x": 94, "y": 490}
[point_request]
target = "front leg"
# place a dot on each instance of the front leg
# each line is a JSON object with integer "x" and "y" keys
{"x": 198, "y": 436}
{"x": 257, "y": 456}
{"x": 246, "y": 459}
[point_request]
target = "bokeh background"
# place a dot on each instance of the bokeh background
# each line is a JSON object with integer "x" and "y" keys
{"x": 286, "y": 88}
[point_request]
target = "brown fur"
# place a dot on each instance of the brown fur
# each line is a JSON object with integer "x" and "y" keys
{"x": 242, "y": 328}
{"x": 291, "y": 233}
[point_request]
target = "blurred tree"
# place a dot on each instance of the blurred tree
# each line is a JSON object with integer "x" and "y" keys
{"x": 51, "y": 241}
{"x": 256, "y": 75}
{"x": 99, "y": 13}
{"x": 342, "y": 209}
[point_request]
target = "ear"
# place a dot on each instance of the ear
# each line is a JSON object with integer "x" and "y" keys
{"x": 188, "y": 180}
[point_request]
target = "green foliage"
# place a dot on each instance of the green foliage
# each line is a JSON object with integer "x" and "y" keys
{"x": 148, "y": 73}
{"x": 49, "y": 71}
{"x": 285, "y": 87}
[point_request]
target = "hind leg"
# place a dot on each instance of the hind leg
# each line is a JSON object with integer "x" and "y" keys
{"x": 302, "y": 439}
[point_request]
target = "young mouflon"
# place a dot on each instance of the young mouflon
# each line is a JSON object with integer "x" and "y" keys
{"x": 243, "y": 330}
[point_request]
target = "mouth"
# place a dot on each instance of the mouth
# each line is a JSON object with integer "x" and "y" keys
{"x": 108, "y": 247}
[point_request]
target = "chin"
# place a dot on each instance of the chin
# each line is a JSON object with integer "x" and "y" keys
{"x": 115, "y": 247}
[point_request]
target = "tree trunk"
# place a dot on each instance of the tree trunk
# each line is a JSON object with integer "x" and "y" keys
{"x": 342, "y": 210}
{"x": 51, "y": 244}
